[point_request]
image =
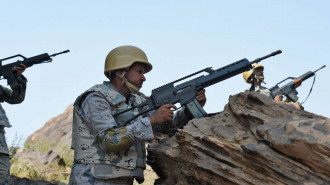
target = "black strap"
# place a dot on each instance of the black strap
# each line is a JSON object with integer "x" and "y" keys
{"x": 310, "y": 91}
{"x": 253, "y": 86}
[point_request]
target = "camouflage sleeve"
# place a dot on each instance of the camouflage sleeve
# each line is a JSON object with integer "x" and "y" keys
{"x": 103, "y": 125}
{"x": 14, "y": 95}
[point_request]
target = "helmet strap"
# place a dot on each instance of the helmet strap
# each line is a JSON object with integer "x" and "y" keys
{"x": 260, "y": 78}
{"x": 132, "y": 88}
{"x": 253, "y": 85}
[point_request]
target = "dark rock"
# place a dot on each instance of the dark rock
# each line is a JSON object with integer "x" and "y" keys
{"x": 25, "y": 181}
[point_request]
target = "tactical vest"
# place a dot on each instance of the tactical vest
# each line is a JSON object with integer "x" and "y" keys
{"x": 4, "y": 122}
{"x": 86, "y": 146}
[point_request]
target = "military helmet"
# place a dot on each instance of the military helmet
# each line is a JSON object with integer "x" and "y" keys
{"x": 247, "y": 74}
{"x": 123, "y": 57}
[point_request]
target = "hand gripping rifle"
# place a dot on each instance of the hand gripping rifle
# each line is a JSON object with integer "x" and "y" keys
{"x": 288, "y": 89}
{"x": 185, "y": 93}
{"x": 7, "y": 72}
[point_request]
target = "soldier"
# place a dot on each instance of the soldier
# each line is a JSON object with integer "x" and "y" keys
{"x": 259, "y": 78}
{"x": 108, "y": 151}
{"x": 14, "y": 95}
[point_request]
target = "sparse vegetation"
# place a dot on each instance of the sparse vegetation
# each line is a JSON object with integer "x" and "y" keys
{"x": 38, "y": 145}
{"x": 66, "y": 153}
{"x": 61, "y": 149}
{"x": 15, "y": 147}
{"x": 50, "y": 172}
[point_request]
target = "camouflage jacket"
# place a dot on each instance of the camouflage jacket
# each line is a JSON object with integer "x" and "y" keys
{"x": 261, "y": 90}
{"x": 12, "y": 96}
{"x": 92, "y": 123}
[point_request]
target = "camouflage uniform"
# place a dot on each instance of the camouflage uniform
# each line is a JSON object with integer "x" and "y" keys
{"x": 94, "y": 129}
{"x": 261, "y": 90}
{"x": 13, "y": 96}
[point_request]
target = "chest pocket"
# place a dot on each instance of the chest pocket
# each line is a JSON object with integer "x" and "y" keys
{"x": 123, "y": 118}
{"x": 119, "y": 104}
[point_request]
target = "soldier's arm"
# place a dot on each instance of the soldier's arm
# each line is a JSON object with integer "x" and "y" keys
{"x": 14, "y": 95}
{"x": 103, "y": 125}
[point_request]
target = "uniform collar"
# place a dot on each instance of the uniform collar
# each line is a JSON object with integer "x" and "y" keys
{"x": 131, "y": 97}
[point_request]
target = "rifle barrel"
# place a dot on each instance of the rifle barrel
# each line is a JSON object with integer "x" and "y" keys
{"x": 319, "y": 68}
{"x": 53, "y": 55}
{"x": 267, "y": 56}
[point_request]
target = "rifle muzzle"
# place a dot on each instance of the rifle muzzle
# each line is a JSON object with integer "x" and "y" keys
{"x": 53, "y": 55}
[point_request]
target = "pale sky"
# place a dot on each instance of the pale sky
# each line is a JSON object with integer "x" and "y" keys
{"x": 179, "y": 38}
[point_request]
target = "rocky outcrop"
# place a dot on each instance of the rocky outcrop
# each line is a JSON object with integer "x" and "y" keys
{"x": 56, "y": 130}
{"x": 50, "y": 157}
{"x": 253, "y": 141}
{"x": 47, "y": 154}
{"x": 50, "y": 143}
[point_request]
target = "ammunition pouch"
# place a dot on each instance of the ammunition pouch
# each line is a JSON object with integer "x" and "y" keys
{"x": 117, "y": 140}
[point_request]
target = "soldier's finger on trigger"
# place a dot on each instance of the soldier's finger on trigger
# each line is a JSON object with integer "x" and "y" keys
{"x": 168, "y": 106}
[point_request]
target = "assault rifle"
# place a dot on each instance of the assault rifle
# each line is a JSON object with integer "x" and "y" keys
{"x": 185, "y": 93}
{"x": 7, "y": 72}
{"x": 288, "y": 89}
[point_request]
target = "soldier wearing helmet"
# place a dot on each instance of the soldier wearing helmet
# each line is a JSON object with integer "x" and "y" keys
{"x": 255, "y": 77}
{"x": 107, "y": 150}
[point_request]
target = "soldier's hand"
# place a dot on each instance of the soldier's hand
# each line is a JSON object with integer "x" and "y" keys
{"x": 162, "y": 114}
{"x": 19, "y": 69}
{"x": 297, "y": 82}
{"x": 278, "y": 97}
{"x": 201, "y": 97}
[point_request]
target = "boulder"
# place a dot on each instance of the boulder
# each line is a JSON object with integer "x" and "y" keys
{"x": 254, "y": 140}
{"x": 25, "y": 181}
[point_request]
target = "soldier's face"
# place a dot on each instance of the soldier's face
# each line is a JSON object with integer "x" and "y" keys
{"x": 136, "y": 74}
{"x": 259, "y": 71}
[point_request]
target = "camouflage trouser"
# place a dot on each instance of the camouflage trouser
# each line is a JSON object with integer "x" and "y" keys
{"x": 4, "y": 159}
{"x": 3, "y": 143}
{"x": 4, "y": 169}
{"x": 81, "y": 174}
